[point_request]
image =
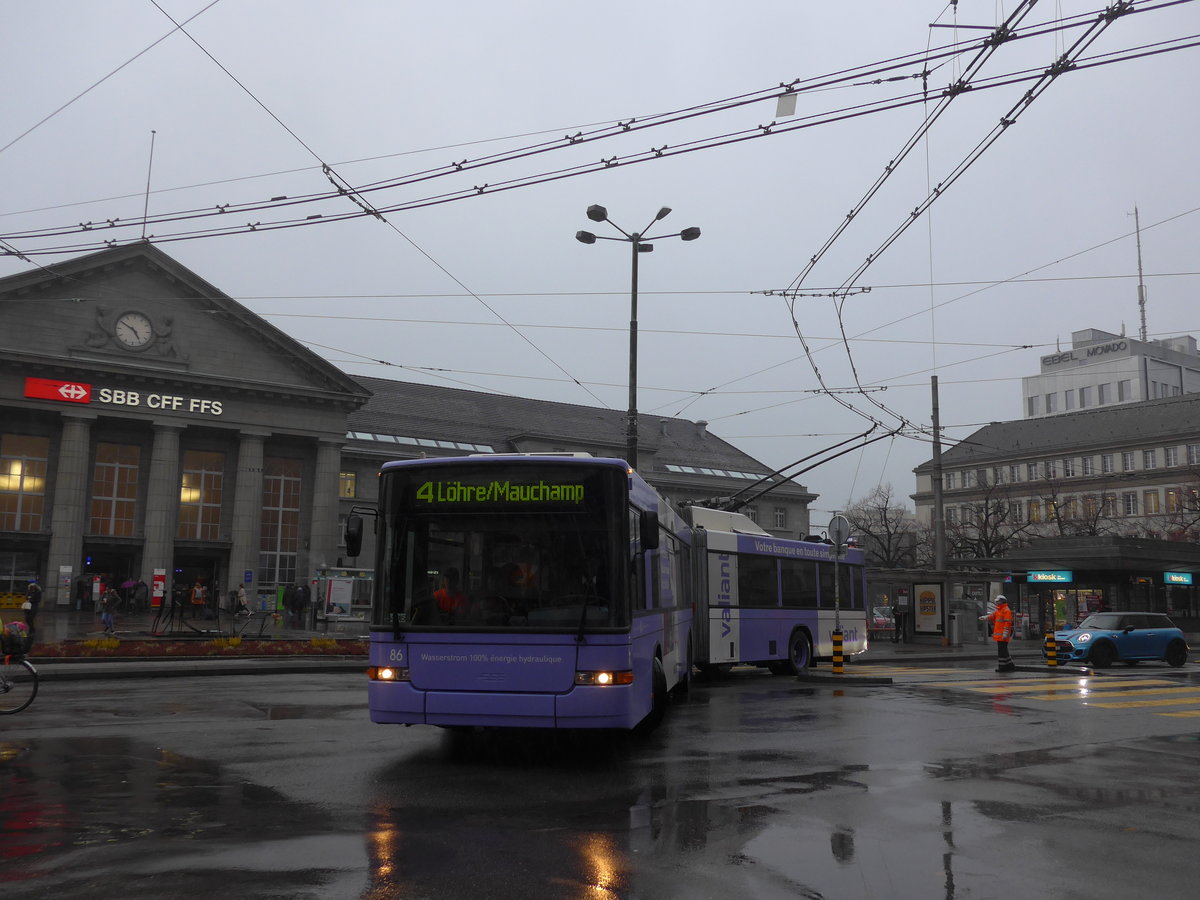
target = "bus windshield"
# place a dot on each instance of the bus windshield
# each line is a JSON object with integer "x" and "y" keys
{"x": 468, "y": 548}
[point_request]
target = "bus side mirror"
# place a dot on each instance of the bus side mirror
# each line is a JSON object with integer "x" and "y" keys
{"x": 354, "y": 535}
{"x": 649, "y": 533}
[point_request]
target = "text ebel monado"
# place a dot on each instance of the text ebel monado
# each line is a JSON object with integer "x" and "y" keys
{"x": 159, "y": 401}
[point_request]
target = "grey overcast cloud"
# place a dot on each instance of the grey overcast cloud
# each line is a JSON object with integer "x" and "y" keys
{"x": 480, "y": 132}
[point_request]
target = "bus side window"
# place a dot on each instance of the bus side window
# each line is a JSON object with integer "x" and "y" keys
{"x": 798, "y": 581}
{"x": 637, "y": 562}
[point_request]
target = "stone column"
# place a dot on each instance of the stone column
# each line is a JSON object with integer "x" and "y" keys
{"x": 68, "y": 516}
{"x": 323, "y": 531}
{"x": 162, "y": 502}
{"x": 247, "y": 512}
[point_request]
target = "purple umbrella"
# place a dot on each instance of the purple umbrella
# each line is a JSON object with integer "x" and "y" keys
{"x": 129, "y": 583}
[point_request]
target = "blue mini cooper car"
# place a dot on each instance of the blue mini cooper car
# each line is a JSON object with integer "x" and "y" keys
{"x": 1104, "y": 638}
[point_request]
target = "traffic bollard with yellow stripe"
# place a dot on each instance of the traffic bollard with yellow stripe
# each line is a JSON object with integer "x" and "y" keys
{"x": 838, "y": 658}
{"x": 1051, "y": 650}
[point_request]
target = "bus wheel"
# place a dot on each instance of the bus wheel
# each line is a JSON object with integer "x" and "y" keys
{"x": 658, "y": 699}
{"x": 799, "y": 653}
{"x": 684, "y": 687}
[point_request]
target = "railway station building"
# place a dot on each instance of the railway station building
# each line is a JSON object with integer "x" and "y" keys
{"x": 153, "y": 428}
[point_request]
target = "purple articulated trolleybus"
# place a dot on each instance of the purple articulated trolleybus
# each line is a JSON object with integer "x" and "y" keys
{"x": 535, "y": 591}
{"x": 768, "y": 601}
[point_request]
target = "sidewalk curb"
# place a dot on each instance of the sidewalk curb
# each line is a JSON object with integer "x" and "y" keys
{"x": 88, "y": 669}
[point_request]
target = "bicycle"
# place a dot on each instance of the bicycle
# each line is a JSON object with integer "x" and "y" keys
{"x": 18, "y": 677}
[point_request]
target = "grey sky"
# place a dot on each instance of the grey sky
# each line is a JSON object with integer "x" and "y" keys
{"x": 380, "y": 90}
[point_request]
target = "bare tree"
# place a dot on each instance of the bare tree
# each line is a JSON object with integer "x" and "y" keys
{"x": 886, "y": 530}
{"x": 990, "y": 524}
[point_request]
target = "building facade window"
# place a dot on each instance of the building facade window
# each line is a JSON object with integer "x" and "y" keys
{"x": 347, "y": 485}
{"x": 1149, "y": 459}
{"x": 1091, "y": 506}
{"x": 1031, "y": 470}
{"x": 1124, "y": 390}
{"x": 1105, "y": 393}
{"x": 781, "y": 517}
{"x": 1052, "y": 403}
{"x": 1014, "y": 474}
{"x": 1107, "y": 465}
{"x": 1129, "y": 504}
{"x": 22, "y": 481}
{"x": 948, "y": 480}
{"x": 1085, "y": 397}
{"x": 1050, "y": 469}
{"x": 114, "y": 490}
{"x": 1127, "y": 461}
{"x": 951, "y": 515}
{"x": 1033, "y": 405}
{"x": 1088, "y": 465}
{"x": 1035, "y": 511}
{"x": 1193, "y": 454}
{"x": 1109, "y": 507}
{"x": 1069, "y": 400}
{"x": 1068, "y": 467}
{"x": 279, "y": 542}
{"x": 1150, "y": 502}
{"x": 1173, "y": 500}
{"x": 751, "y": 513}
{"x": 1170, "y": 456}
{"x": 200, "y": 495}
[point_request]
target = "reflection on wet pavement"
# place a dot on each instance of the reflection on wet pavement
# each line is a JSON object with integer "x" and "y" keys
{"x": 146, "y": 822}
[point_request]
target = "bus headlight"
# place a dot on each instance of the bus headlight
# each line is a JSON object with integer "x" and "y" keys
{"x": 604, "y": 678}
{"x": 387, "y": 673}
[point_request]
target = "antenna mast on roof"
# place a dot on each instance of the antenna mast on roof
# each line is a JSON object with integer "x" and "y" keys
{"x": 1137, "y": 225}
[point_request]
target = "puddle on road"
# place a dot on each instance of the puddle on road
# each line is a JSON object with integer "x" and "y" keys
{"x": 75, "y": 812}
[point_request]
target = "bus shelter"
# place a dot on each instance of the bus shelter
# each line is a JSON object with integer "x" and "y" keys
{"x": 938, "y": 606}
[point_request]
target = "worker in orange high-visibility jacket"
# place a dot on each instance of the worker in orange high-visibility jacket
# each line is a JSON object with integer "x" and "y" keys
{"x": 1002, "y": 632}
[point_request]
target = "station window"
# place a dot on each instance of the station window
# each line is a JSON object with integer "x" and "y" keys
{"x": 279, "y": 541}
{"x": 347, "y": 485}
{"x": 781, "y": 517}
{"x": 114, "y": 489}
{"x": 22, "y": 481}
{"x": 200, "y": 495}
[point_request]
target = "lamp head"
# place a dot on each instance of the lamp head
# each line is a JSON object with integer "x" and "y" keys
{"x": 585, "y": 237}
{"x": 689, "y": 234}
{"x": 662, "y": 213}
{"x": 597, "y": 213}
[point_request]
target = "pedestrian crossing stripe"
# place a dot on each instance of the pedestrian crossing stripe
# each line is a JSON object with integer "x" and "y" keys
{"x": 1170, "y": 701}
{"x": 1069, "y": 691}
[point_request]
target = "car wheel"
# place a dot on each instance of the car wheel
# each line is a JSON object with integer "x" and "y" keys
{"x": 1103, "y": 655}
{"x": 799, "y": 652}
{"x": 1176, "y": 654}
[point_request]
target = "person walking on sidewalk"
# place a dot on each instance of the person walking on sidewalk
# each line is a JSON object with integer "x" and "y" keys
{"x": 1001, "y": 620}
{"x": 108, "y": 606}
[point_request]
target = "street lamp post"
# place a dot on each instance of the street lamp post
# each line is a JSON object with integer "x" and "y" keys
{"x": 638, "y": 241}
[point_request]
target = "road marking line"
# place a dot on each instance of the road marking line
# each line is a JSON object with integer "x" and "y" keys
{"x": 1132, "y": 704}
{"x": 1185, "y": 714}
{"x": 1072, "y": 689}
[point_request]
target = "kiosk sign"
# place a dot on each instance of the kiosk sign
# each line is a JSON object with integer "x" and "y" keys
{"x": 1056, "y": 576}
{"x": 1177, "y": 577}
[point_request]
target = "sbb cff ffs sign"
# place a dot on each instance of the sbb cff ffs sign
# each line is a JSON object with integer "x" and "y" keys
{"x": 48, "y": 389}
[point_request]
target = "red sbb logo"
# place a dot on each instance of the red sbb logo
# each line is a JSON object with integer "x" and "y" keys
{"x": 66, "y": 391}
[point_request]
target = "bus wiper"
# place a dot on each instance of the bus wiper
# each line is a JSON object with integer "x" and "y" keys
{"x": 582, "y": 618}
{"x": 396, "y": 626}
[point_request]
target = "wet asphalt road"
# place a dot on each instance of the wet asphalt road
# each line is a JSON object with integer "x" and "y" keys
{"x": 948, "y": 784}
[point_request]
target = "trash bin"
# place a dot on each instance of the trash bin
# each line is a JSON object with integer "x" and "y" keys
{"x": 954, "y": 630}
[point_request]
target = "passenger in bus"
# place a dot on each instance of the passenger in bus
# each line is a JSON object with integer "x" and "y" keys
{"x": 451, "y": 601}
